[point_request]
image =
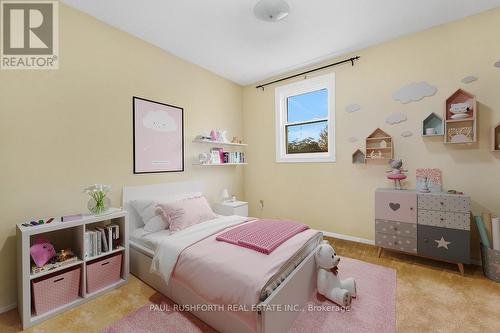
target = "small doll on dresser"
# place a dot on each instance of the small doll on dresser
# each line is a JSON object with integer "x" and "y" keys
{"x": 397, "y": 174}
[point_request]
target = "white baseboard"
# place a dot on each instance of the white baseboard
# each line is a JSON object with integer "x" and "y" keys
{"x": 349, "y": 238}
{"x": 8, "y": 307}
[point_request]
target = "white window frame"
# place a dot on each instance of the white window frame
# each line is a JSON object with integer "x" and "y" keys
{"x": 297, "y": 88}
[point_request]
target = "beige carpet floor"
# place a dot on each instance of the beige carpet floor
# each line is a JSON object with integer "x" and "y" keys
{"x": 431, "y": 297}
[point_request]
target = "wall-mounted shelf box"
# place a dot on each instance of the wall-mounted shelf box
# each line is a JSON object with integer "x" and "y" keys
{"x": 358, "y": 157}
{"x": 64, "y": 235}
{"x": 463, "y": 130}
{"x": 379, "y": 146}
{"x": 495, "y": 138}
{"x": 432, "y": 121}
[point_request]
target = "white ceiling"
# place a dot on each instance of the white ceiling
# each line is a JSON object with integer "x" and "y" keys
{"x": 225, "y": 37}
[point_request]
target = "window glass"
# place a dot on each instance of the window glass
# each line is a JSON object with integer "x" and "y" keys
{"x": 308, "y": 106}
{"x": 307, "y": 138}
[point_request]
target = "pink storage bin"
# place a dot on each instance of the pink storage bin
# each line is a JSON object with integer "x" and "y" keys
{"x": 103, "y": 272}
{"x": 54, "y": 290}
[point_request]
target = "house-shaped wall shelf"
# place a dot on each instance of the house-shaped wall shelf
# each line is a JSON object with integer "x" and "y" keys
{"x": 433, "y": 123}
{"x": 460, "y": 118}
{"x": 379, "y": 146}
{"x": 495, "y": 138}
{"x": 358, "y": 157}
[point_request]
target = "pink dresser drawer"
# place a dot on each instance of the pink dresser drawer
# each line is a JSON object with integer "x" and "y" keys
{"x": 396, "y": 205}
{"x": 54, "y": 290}
{"x": 103, "y": 272}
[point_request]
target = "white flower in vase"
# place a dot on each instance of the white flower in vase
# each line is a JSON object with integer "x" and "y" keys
{"x": 98, "y": 202}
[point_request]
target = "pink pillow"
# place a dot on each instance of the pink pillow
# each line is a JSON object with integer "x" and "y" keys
{"x": 187, "y": 212}
{"x": 42, "y": 251}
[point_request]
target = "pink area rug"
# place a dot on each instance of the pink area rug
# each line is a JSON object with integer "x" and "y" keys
{"x": 374, "y": 310}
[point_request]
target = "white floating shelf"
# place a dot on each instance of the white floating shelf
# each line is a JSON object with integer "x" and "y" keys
{"x": 218, "y": 143}
{"x": 221, "y": 164}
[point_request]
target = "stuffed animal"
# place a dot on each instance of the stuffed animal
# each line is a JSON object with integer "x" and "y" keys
{"x": 329, "y": 283}
{"x": 42, "y": 251}
{"x": 397, "y": 173}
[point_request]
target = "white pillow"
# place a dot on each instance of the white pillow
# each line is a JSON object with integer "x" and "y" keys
{"x": 147, "y": 211}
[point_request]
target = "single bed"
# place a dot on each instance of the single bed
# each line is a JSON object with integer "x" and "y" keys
{"x": 280, "y": 282}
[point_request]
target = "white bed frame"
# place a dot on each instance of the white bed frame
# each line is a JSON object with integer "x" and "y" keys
{"x": 293, "y": 293}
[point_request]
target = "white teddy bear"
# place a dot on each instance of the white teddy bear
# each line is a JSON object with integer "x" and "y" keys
{"x": 329, "y": 283}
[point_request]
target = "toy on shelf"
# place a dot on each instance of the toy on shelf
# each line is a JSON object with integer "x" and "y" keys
{"x": 62, "y": 258}
{"x": 397, "y": 173}
{"x": 424, "y": 188}
{"x": 460, "y": 118}
{"x": 379, "y": 146}
{"x": 42, "y": 251}
{"x": 329, "y": 283}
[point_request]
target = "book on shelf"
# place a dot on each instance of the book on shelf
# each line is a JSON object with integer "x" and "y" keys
{"x": 104, "y": 241}
{"x": 101, "y": 240}
{"x": 87, "y": 245}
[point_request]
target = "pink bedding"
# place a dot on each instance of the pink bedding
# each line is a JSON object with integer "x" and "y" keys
{"x": 263, "y": 235}
{"x": 224, "y": 274}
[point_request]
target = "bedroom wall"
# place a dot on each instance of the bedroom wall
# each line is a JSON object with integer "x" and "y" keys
{"x": 63, "y": 130}
{"x": 339, "y": 197}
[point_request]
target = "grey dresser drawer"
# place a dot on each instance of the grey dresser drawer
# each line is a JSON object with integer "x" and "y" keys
{"x": 442, "y": 219}
{"x": 394, "y": 242}
{"x": 444, "y": 202}
{"x": 396, "y": 228}
{"x": 444, "y": 243}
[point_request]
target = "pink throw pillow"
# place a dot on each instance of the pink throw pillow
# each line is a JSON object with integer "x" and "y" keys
{"x": 42, "y": 251}
{"x": 187, "y": 212}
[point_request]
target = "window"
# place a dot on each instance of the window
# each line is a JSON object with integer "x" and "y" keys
{"x": 305, "y": 114}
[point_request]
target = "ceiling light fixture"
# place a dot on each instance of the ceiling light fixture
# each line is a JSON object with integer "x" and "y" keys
{"x": 271, "y": 10}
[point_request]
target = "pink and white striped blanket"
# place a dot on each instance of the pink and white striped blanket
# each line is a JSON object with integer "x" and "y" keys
{"x": 262, "y": 235}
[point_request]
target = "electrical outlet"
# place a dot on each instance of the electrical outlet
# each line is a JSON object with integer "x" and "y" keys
{"x": 261, "y": 204}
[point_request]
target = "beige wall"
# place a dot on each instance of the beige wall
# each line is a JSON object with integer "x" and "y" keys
{"x": 338, "y": 197}
{"x": 65, "y": 129}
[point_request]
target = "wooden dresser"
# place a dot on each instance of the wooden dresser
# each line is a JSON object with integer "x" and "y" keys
{"x": 434, "y": 225}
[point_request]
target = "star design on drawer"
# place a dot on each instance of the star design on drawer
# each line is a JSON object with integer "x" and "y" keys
{"x": 442, "y": 243}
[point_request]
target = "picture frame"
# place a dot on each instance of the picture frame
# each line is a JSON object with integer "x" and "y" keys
{"x": 434, "y": 179}
{"x": 158, "y": 136}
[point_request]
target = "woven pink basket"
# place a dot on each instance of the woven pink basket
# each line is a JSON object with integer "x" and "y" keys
{"x": 103, "y": 272}
{"x": 54, "y": 290}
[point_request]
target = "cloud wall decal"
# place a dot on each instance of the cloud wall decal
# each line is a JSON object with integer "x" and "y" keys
{"x": 406, "y": 134}
{"x": 159, "y": 121}
{"x": 352, "y": 108}
{"x": 414, "y": 92}
{"x": 469, "y": 79}
{"x": 395, "y": 118}
{"x": 352, "y": 139}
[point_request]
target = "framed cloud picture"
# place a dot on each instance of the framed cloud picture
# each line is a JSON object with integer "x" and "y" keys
{"x": 158, "y": 137}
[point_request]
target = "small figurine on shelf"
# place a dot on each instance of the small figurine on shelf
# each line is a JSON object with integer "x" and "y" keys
{"x": 397, "y": 173}
{"x": 214, "y": 135}
{"x": 424, "y": 187}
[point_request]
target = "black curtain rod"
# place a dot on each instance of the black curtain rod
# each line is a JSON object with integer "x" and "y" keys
{"x": 351, "y": 60}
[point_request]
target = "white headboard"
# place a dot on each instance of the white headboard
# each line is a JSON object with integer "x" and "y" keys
{"x": 154, "y": 191}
